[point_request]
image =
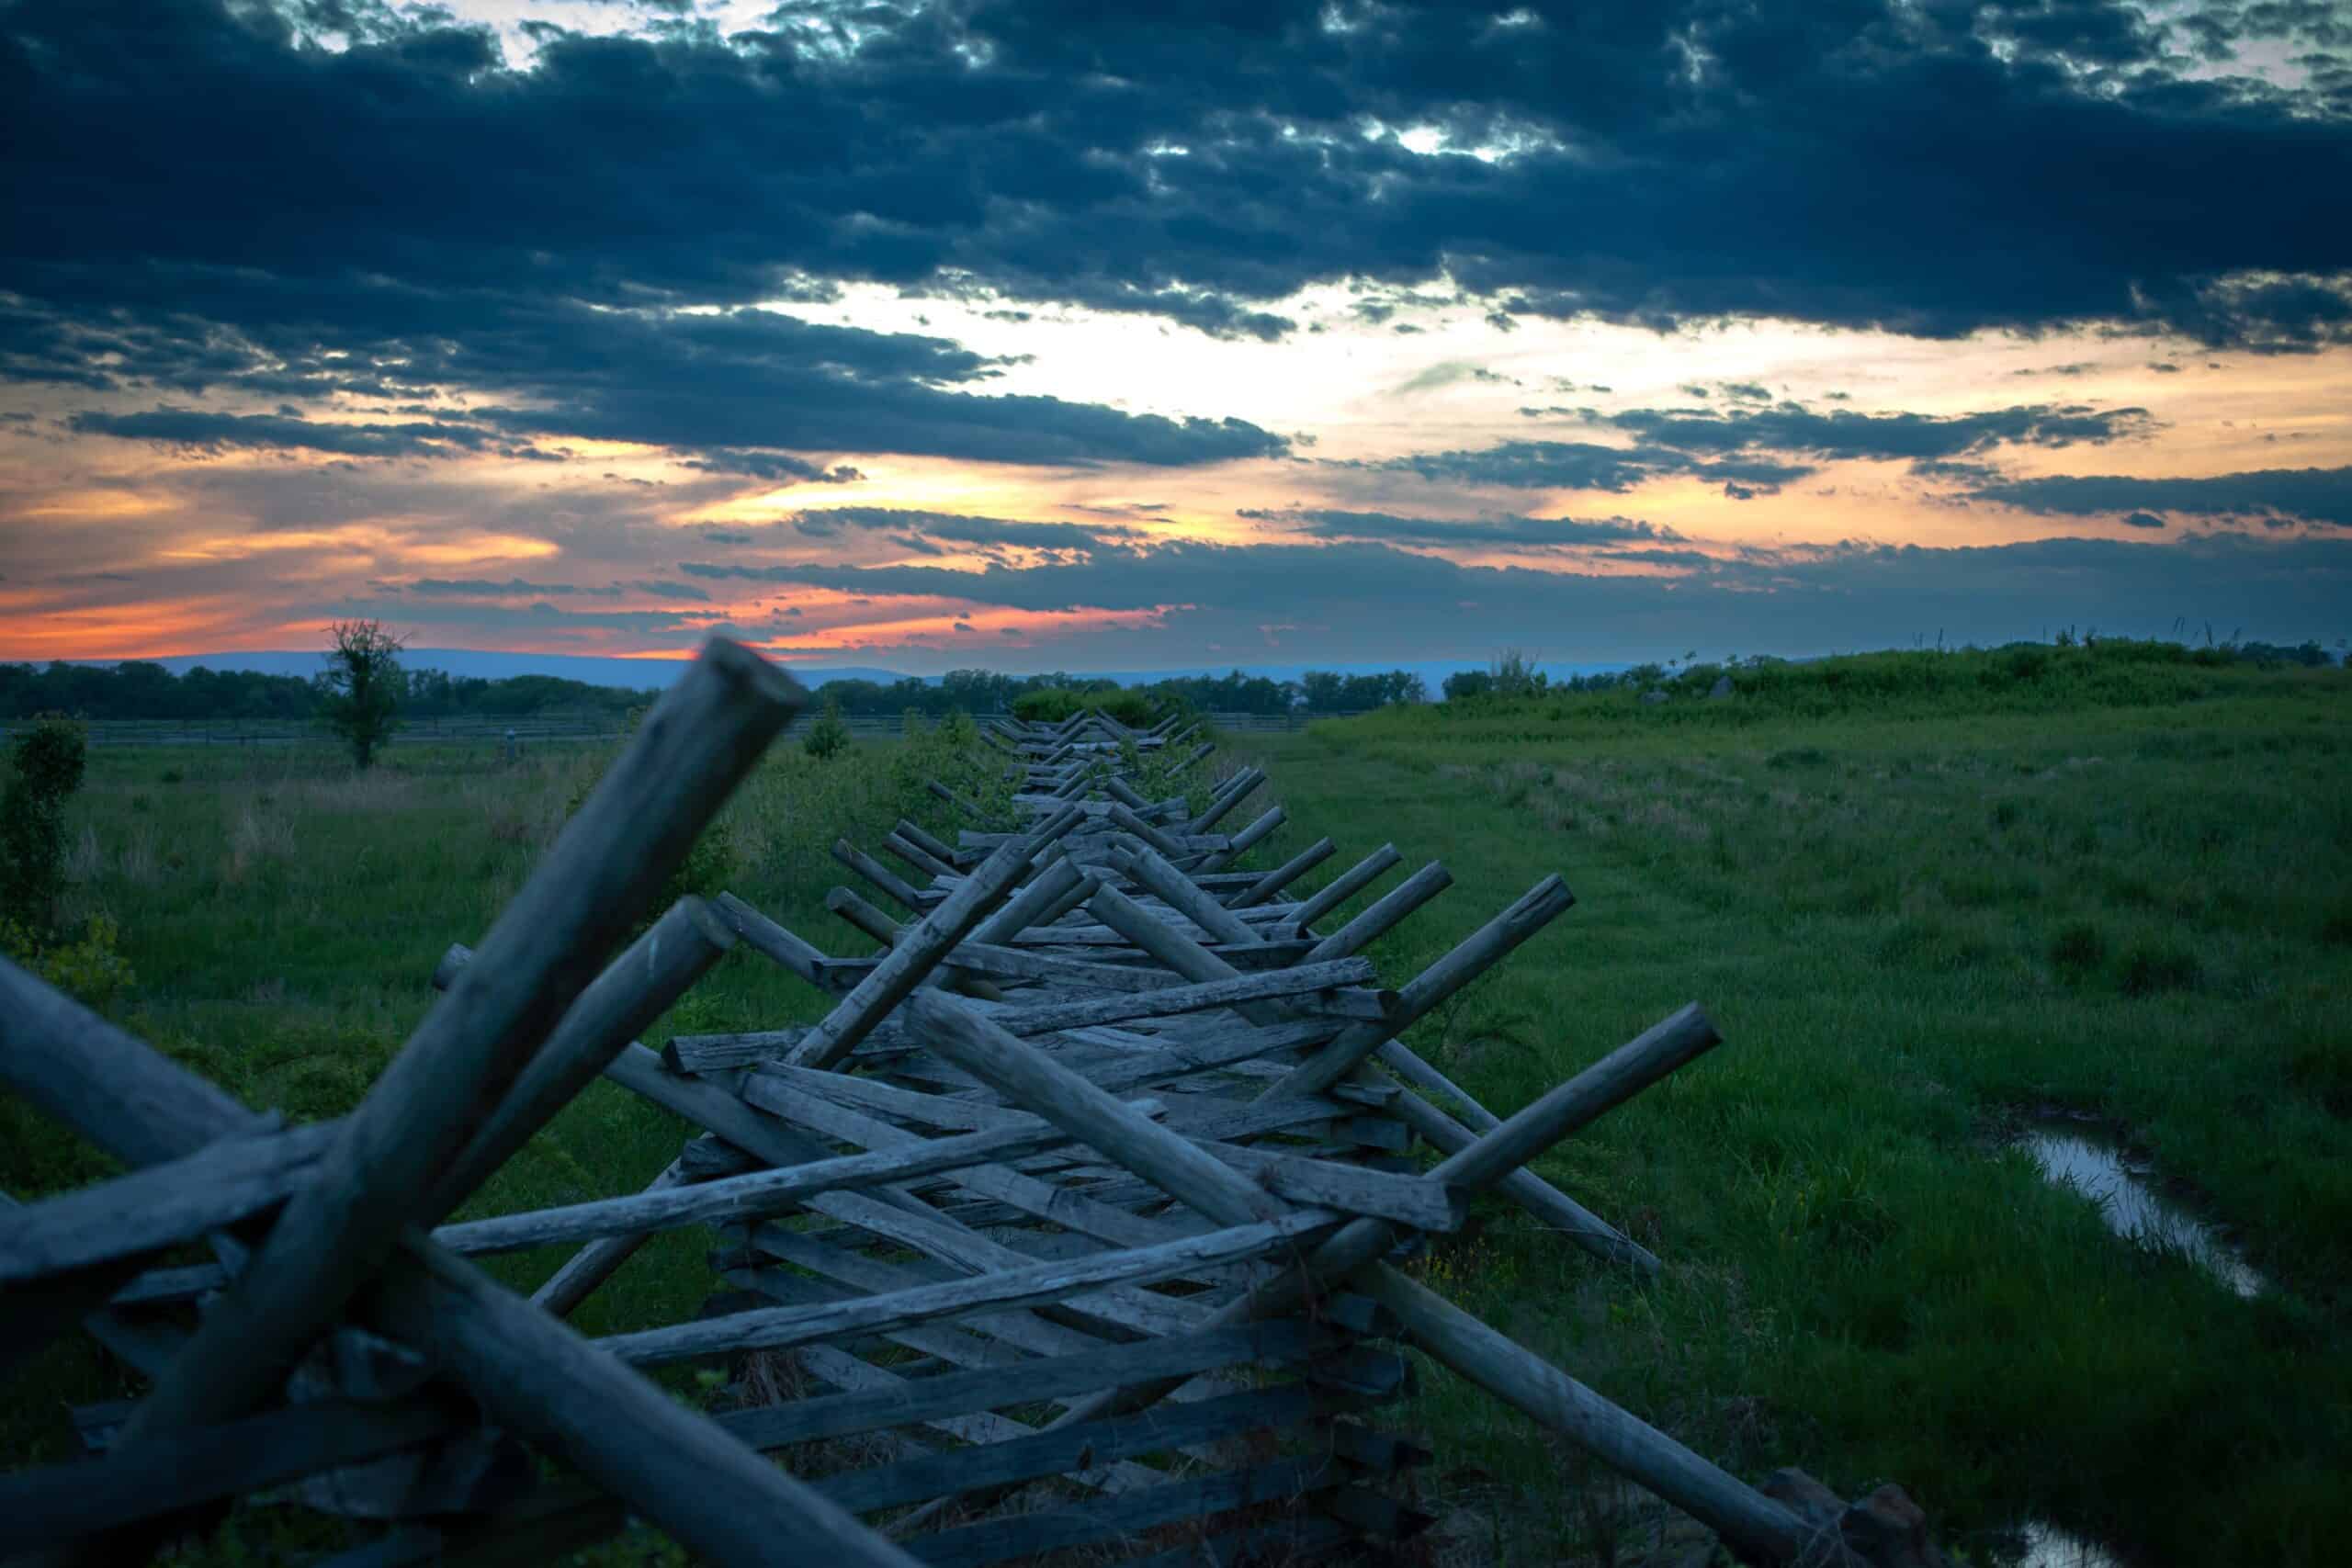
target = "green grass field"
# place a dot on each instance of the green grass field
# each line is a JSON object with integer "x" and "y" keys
{"x": 1922, "y": 908}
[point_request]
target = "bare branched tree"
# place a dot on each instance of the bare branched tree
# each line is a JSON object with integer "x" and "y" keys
{"x": 361, "y": 687}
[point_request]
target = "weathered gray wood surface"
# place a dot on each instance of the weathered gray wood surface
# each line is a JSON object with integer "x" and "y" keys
{"x": 159, "y": 1205}
{"x": 1347, "y": 885}
{"x": 545, "y": 1382}
{"x": 1031, "y": 1285}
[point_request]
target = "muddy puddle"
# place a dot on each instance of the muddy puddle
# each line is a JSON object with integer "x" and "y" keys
{"x": 2047, "y": 1545}
{"x": 2078, "y": 1155}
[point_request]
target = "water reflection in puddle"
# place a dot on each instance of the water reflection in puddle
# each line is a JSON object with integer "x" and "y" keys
{"x": 2132, "y": 1209}
{"x": 2047, "y": 1545}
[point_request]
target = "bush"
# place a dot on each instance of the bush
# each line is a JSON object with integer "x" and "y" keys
{"x": 1464, "y": 684}
{"x": 46, "y": 764}
{"x": 89, "y": 968}
{"x": 829, "y": 737}
{"x": 1053, "y": 705}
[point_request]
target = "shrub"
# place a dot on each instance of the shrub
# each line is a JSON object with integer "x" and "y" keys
{"x": 89, "y": 968}
{"x": 46, "y": 764}
{"x": 1464, "y": 684}
{"x": 829, "y": 737}
{"x": 1052, "y": 704}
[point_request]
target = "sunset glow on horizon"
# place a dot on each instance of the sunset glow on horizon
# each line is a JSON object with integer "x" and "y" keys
{"x": 1404, "y": 341}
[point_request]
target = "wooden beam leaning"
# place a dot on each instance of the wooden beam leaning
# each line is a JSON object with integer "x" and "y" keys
{"x": 1739, "y": 1512}
{"x": 915, "y": 855}
{"x": 1483, "y": 948}
{"x": 545, "y": 1382}
{"x": 1202, "y": 1178}
{"x": 844, "y": 902}
{"x": 1179, "y": 894}
{"x": 1262, "y": 984}
{"x": 1346, "y": 886}
{"x": 1202, "y": 750}
{"x": 1065, "y": 1282}
{"x": 1283, "y": 876}
{"x": 719, "y": 1498}
{"x": 896, "y": 887}
{"x": 1156, "y": 837}
{"x": 601, "y": 1259}
{"x": 1235, "y": 789}
{"x": 915, "y": 834}
{"x": 1244, "y": 840}
{"x": 636, "y": 988}
{"x": 1476, "y": 952}
{"x": 1033, "y": 904}
{"x": 754, "y": 1195}
{"x": 1383, "y": 914}
{"x": 1126, "y": 793}
{"x": 766, "y": 937}
{"x": 156, "y": 1206}
{"x": 1746, "y": 1518}
{"x": 635, "y": 828}
{"x": 915, "y": 957}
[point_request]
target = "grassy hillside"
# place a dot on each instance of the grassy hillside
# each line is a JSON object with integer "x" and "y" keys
{"x": 1923, "y": 904}
{"x": 1925, "y": 898}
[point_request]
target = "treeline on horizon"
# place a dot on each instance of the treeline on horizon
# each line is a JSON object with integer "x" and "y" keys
{"x": 141, "y": 688}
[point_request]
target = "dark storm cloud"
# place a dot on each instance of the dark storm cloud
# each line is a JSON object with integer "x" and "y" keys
{"x": 1198, "y": 170}
{"x": 1541, "y": 533}
{"x": 1753, "y": 451}
{"x": 736, "y": 387}
{"x": 1576, "y": 465}
{"x": 962, "y": 529}
{"x": 1844, "y": 433}
{"x": 196, "y": 430}
{"x": 2275, "y": 497}
{"x": 512, "y": 588}
{"x": 538, "y": 617}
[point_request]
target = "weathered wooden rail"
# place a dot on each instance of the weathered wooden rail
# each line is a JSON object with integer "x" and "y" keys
{"x": 1071, "y": 1224}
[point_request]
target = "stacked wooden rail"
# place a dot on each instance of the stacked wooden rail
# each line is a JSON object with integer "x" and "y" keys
{"x": 1069, "y": 1227}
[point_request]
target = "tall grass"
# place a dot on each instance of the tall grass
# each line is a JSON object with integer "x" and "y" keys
{"x": 1925, "y": 897}
{"x": 2022, "y": 678}
{"x": 284, "y": 914}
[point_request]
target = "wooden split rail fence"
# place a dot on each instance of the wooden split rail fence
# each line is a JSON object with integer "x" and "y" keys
{"x": 1069, "y": 1227}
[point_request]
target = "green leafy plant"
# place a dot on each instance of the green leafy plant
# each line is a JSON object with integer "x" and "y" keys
{"x": 89, "y": 967}
{"x": 46, "y": 765}
{"x": 1055, "y": 703}
{"x": 829, "y": 737}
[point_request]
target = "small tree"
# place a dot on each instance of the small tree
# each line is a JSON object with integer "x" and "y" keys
{"x": 828, "y": 735}
{"x": 361, "y": 687}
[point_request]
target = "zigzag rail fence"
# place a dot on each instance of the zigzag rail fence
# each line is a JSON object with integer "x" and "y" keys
{"x": 1070, "y": 1225}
